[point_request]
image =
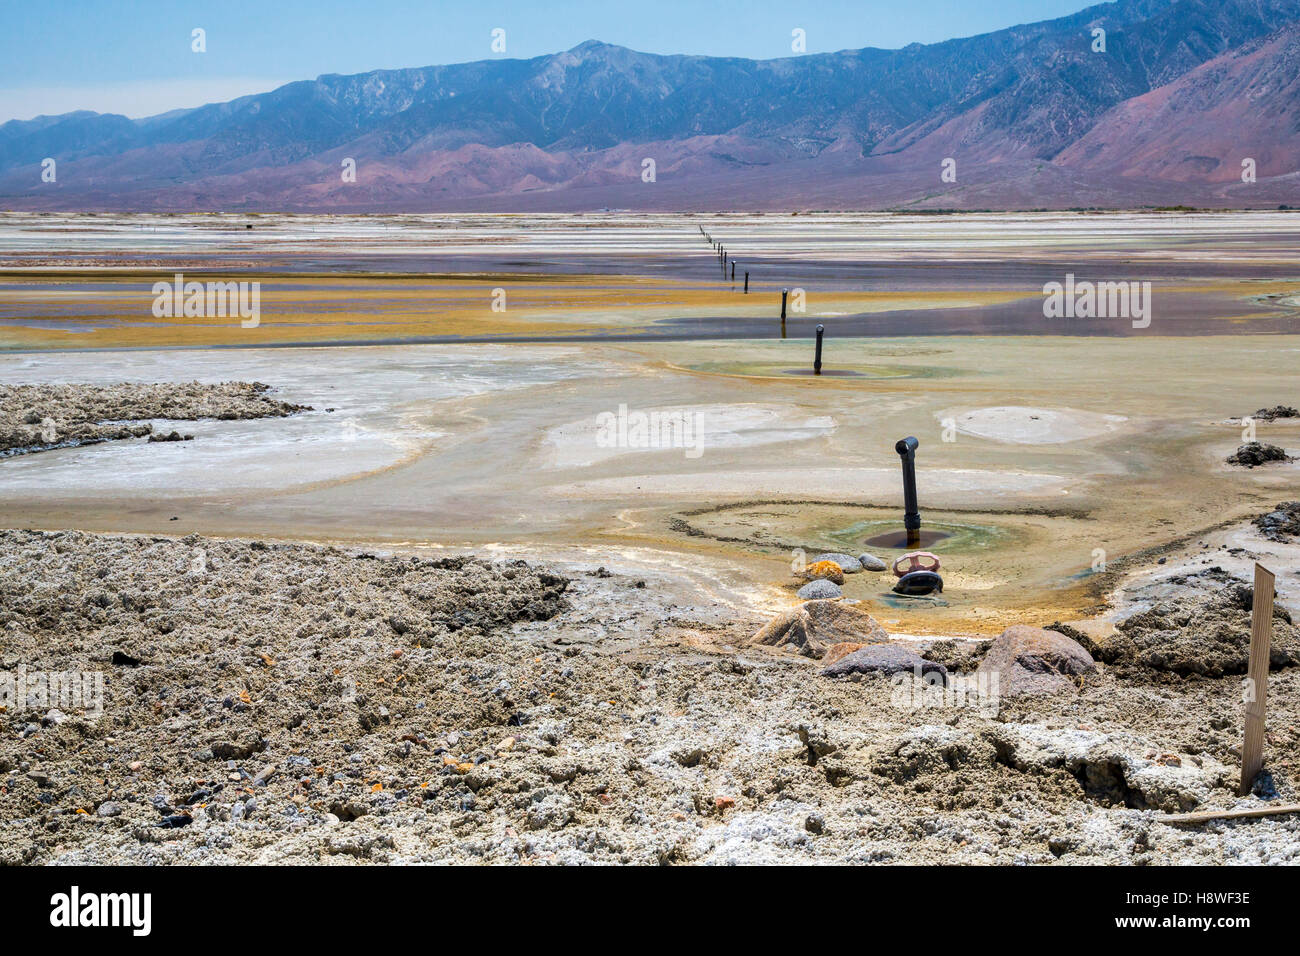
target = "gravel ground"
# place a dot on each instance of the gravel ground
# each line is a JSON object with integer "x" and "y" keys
{"x": 40, "y": 417}
{"x": 284, "y": 703}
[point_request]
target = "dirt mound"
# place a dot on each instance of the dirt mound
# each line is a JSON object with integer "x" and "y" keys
{"x": 1257, "y": 453}
{"x": 280, "y": 704}
{"x": 1274, "y": 413}
{"x": 41, "y": 417}
{"x": 1280, "y": 523}
{"x": 1204, "y": 632}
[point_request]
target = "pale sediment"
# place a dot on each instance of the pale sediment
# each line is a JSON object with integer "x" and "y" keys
{"x": 276, "y": 703}
{"x": 42, "y": 417}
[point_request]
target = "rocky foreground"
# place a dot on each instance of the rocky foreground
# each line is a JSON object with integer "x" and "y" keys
{"x": 41, "y": 417}
{"x": 281, "y": 703}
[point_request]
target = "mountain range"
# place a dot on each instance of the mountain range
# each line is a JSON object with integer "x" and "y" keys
{"x": 1034, "y": 116}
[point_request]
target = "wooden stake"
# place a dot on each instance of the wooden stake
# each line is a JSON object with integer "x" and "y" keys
{"x": 1207, "y": 815}
{"x": 1261, "y": 633}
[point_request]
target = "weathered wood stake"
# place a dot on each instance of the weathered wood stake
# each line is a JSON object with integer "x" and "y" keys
{"x": 1256, "y": 687}
{"x": 1205, "y": 816}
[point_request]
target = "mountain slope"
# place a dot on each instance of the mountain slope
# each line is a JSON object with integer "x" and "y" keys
{"x": 1245, "y": 103}
{"x": 853, "y": 128}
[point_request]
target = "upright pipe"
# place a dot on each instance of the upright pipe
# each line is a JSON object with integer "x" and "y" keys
{"x": 784, "y": 294}
{"x": 906, "y": 449}
{"x": 817, "y": 363}
{"x": 733, "y": 270}
{"x": 746, "y": 283}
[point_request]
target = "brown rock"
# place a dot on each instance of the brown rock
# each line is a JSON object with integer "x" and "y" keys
{"x": 816, "y": 625}
{"x": 823, "y": 571}
{"x": 836, "y": 651}
{"x": 1031, "y": 660}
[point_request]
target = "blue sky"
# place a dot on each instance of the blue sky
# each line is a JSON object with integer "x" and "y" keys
{"x": 134, "y": 56}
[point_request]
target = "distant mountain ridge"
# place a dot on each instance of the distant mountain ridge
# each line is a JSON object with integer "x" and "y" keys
{"x": 1031, "y": 115}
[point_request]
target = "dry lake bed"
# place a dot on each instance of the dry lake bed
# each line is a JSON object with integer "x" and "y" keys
{"x": 469, "y": 565}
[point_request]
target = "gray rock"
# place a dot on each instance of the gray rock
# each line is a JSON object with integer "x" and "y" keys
{"x": 870, "y": 562}
{"x": 108, "y": 809}
{"x": 847, "y": 562}
{"x": 884, "y": 659}
{"x": 820, "y": 590}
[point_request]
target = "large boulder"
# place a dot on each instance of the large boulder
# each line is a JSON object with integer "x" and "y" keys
{"x": 884, "y": 659}
{"x": 815, "y": 626}
{"x": 1031, "y": 660}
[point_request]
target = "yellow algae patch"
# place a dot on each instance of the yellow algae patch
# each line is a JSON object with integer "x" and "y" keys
{"x": 111, "y": 308}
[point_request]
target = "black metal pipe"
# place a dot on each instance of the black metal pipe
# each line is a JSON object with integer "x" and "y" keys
{"x": 746, "y": 283}
{"x": 817, "y": 359}
{"x": 906, "y": 449}
{"x": 784, "y": 294}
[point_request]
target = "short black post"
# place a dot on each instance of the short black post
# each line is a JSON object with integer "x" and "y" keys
{"x": 817, "y": 359}
{"x": 784, "y": 294}
{"x": 746, "y": 283}
{"x": 906, "y": 448}
{"x": 733, "y": 270}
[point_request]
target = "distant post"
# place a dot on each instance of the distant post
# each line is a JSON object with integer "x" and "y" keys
{"x": 733, "y": 270}
{"x": 746, "y": 283}
{"x": 1261, "y": 636}
{"x": 817, "y": 358}
{"x": 785, "y": 294}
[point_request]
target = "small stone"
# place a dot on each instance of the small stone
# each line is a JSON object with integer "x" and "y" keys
{"x": 135, "y": 766}
{"x": 822, "y": 570}
{"x": 507, "y": 744}
{"x": 724, "y": 803}
{"x": 870, "y": 562}
{"x": 820, "y": 591}
{"x": 108, "y": 809}
{"x": 814, "y": 823}
{"x": 54, "y": 717}
{"x": 847, "y": 562}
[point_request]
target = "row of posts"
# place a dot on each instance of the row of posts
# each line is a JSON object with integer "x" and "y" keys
{"x": 724, "y": 260}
